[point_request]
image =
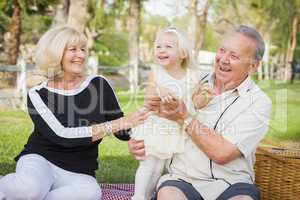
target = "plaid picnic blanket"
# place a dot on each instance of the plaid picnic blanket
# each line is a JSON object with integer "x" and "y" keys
{"x": 117, "y": 191}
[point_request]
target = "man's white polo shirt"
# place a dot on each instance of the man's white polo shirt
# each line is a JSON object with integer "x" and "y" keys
{"x": 244, "y": 122}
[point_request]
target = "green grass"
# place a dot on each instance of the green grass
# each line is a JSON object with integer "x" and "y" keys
{"x": 116, "y": 165}
{"x": 284, "y": 125}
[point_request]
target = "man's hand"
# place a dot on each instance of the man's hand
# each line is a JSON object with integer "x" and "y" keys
{"x": 137, "y": 149}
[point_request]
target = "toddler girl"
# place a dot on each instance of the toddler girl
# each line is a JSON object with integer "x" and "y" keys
{"x": 173, "y": 76}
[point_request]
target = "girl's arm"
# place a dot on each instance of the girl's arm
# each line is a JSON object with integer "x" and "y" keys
{"x": 155, "y": 91}
{"x": 152, "y": 99}
{"x": 150, "y": 91}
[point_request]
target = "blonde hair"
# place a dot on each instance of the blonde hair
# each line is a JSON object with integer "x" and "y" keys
{"x": 183, "y": 44}
{"x": 51, "y": 47}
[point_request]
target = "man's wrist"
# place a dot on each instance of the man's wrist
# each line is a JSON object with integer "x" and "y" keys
{"x": 187, "y": 121}
{"x": 181, "y": 120}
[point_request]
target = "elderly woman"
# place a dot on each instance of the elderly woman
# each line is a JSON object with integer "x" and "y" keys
{"x": 71, "y": 113}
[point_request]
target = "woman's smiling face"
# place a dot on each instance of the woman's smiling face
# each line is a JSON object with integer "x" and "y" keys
{"x": 74, "y": 58}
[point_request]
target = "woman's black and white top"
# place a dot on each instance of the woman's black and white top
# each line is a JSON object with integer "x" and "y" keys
{"x": 61, "y": 121}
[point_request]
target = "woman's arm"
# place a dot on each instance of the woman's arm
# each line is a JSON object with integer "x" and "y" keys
{"x": 113, "y": 113}
{"x": 123, "y": 123}
{"x": 49, "y": 126}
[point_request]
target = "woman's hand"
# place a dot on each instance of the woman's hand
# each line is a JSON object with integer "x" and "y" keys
{"x": 135, "y": 119}
{"x": 137, "y": 148}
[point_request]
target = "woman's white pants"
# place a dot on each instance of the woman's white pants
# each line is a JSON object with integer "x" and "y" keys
{"x": 38, "y": 179}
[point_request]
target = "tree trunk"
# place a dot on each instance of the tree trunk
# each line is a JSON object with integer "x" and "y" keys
{"x": 201, "y": 21}
{"x": 91, "y": 31}
{"x": 78, "y": 14}
{"x": 193, "y": 25}
{"x": 133, "y": 46}
{"x": 12, "y": 37}
{"x": 260, "y": 73}
{"x": 266, "y": 57}
{"x": 12, "y": 43}
{"x": 61, "y": 13}
{"x": 260, "y": 68}
{"x": 291, "y": 46}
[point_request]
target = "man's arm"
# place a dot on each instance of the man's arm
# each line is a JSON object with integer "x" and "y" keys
{"x": 225, "y": 148}
{"x": 214, "y": 145}
{"x": 217, "y": 148}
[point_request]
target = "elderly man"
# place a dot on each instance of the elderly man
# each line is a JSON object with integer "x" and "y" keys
{"x": 220, "y": 151}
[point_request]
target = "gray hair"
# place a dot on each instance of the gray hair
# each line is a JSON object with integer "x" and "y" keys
{"x": 253, "y": 34}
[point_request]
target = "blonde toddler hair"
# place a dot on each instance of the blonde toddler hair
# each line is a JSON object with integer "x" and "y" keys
{"x": 183, "y": 44}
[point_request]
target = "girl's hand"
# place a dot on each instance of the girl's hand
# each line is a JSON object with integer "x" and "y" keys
{"x": 173, "y": 109}
{"x": 202, "y": 95}
{"x": 135, "y": 119}
{"x": 165, "y": 94}
{"x": 169, "y": 98}
{"x": 152, "y": 103}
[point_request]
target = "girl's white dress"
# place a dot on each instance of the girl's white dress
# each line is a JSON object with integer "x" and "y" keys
{"x": 163, "y": 137}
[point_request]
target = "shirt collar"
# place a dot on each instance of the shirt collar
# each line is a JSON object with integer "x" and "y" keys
{"x": 245, "y": 86}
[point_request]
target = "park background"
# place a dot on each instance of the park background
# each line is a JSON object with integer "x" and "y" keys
{"x": 120, "y": 38}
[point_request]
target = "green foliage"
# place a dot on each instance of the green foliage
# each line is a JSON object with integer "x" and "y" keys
{"x": 4, "y": 18}
{"x": 104, "y": 14}
{"x": 277, "y": 19}
{"x": 97, "y": 14}
{"x": 211, "y": 41}
{"x": 150, "y": 26}
{"x": 27, "y": 6}
{"x": 33, "y": 26}
{"x": 270, "y": 17}
{"x": 34, "y": 17}
{"x": 112, "y": 48}
{"x": 107, "y": 23}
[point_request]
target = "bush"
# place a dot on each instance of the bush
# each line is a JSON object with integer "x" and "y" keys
{"x": 112, "y": 48}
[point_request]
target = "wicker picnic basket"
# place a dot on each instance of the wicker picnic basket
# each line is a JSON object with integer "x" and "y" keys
{"x": 277, "y": 173}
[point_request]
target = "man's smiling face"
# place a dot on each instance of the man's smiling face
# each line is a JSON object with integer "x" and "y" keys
{"x": 235, "y": 59}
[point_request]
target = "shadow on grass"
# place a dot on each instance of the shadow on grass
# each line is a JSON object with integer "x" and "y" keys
{"x": 6, "y": 168}
{"x": 116, "y": 169}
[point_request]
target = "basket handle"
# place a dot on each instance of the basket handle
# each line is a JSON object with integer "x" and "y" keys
{"x": 272, "y": 143}
{"x": 272, "y": 155}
